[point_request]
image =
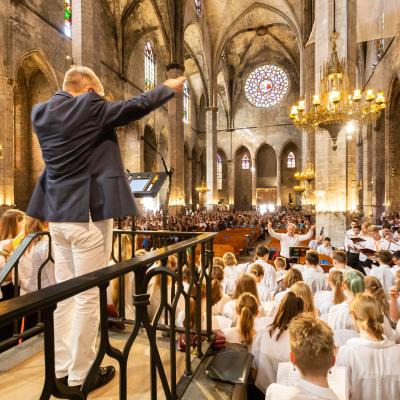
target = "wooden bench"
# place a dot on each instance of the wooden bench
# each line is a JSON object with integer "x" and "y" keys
{"x": 237, "y": 240}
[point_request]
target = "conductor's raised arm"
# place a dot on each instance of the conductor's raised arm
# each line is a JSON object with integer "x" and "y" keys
{"x": 109, "y": 115}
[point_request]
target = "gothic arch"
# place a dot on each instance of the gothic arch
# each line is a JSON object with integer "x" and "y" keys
{"x": 35, "y": 82}
{"x": 149, "y": 156}
{"x": 243, "y": 180}
{"x": 287, "y": 172}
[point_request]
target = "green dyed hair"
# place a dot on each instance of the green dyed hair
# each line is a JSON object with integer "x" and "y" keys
{"x": 354, "y": 280}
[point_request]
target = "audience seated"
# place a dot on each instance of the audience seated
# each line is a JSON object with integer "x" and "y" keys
{"x": 312, "y": 275}
{"x": 312, "y": 351}
{"x": 371, "y": 360}
{"x": 271, "y": 344}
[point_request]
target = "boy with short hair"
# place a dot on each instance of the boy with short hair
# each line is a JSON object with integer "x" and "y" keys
{"x": 313, "y": 276}
{"x": 339, "y": 259}
{"x": 383, "y": 272}
{"x": 312, "y": 351}
{"x": 325, "y": 247}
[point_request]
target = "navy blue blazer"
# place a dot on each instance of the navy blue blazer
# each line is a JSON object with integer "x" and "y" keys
{"x": 84, "y": 170}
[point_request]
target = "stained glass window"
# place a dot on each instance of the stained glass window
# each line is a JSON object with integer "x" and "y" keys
{"x": 219, "y": 172}
{"x": 197, "y": 4}
{"x": 266, "y": 86}
{"x": 380, "y": 48}
{"x": 149, "y": 67}
{"x": 291, "y": 160}
{"x": 186, "y": 102}
{"x": 68, "y": 17}
{"x": 246, "y": 162}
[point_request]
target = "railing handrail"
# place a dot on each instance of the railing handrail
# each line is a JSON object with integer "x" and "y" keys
{"x": 18, "y": 253}
{"x": 41, "y": 299}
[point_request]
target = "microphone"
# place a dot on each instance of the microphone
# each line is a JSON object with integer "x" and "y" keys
{"x": 169, "y": 172}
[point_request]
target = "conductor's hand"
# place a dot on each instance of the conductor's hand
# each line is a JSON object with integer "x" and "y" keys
{"x": 176, "y": 84}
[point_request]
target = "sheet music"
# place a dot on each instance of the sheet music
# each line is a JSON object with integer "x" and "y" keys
{"x": 288, "y": 375}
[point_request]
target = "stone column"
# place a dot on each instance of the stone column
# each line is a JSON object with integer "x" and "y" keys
{"x": 211, "y": 151}
{"x": 278, "y": 181}
{"x": 84, "y": 33}
{"x": 176, "y": 143}
{"x": 231, "y": 182}
{"x": 253, "y": 180}
{"x": 6, "y": 109}
{"x": 335, "y": 176}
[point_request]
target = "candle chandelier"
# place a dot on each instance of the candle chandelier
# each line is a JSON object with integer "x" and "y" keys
{"x": 307, "y": 174}
{"x": 336, "y": 105}
{"x": 203, "y": 187}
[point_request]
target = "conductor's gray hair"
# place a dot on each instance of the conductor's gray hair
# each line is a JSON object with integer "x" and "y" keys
{"x": 77, "y": 78}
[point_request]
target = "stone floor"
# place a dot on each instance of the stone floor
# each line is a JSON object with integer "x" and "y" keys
{"x": 25, "y": 381}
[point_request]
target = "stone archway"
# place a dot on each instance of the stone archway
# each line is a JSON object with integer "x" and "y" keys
{"x": 35, "y": 83}
{"x": 289, "y": 166}
{"x": 243, "y": 179}
{"x": 149, "y": 156}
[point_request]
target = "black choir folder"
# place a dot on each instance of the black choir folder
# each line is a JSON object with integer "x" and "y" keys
{"x": 232, "y": 366}
{"x": 357, "y": 240}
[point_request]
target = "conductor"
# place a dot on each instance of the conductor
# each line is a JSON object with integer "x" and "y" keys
{"x": 83, "y": 187}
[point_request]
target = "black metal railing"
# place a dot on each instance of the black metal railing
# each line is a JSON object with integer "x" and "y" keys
{"x": 171, "y": 289}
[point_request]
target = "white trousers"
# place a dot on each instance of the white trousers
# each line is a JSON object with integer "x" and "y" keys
{"x": 78, "y": 248}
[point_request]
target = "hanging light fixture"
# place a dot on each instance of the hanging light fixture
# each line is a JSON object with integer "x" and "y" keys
{"x": 307, "y": 174}
{"x": 336, "y": 105}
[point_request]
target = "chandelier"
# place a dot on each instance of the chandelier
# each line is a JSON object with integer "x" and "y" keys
{"x": 202, "y": 188}
{"x": 307, "y": 174}
{"x": 335, "y": 105}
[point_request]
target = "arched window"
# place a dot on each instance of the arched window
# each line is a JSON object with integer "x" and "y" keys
{"x": 197, "y": 4}
{"x": 186, "y": 103}
{"x": 68, "y": 18}
{"x": 245, "y": 162}
{"x": 149, "y": 67}
{"x": 219, "y": 172}
{"x": 291, "y": 160}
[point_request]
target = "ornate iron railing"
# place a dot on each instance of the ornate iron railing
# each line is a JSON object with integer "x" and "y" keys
{"x": 45, "y": 301}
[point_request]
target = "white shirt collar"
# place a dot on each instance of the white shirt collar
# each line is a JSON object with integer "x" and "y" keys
{"x": 319, "y": 391}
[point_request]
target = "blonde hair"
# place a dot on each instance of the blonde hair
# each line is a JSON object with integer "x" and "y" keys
{"x": 229, "y": 259}
{"x": 281, "y": 262}
{"x": 33, "y": 225}
{"x": 77, "y": 78}
{"x": 247, "y": 309}
{"x": 374, "y": 287}
{"x": 336, "y": 279}
{"x": 218, "y": 261}
{"x": 312, "y": 344}
{"x": 368, "y": 313}
{"x": 257, "y": 270}
{"x": 246, "y": 283}
{"x": 303, "y": 291}
{"x": 292, "y": 276}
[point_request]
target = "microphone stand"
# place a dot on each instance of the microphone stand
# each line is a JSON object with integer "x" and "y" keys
{"x": 169, "y": 173}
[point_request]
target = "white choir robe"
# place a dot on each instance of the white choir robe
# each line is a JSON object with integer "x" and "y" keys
{"x": 323, "y": 301}
{"x": 301, "y": 390}
{"x": 287, "y": 241}
{"x": 230, "y": 277}
{"x": 385, "y": 276}
{"x": 269, "y": 275}
{"x": 339, "y": 317}
{"x": 268, "y": 353}
{"x": 315, "y": 279}
{"x": 263, "y": 293}
{"x": 217, "y": 309}
{"x": 372, "y": 368}
{"x": 327, "y": 251}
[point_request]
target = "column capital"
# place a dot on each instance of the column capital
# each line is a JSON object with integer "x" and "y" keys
{"x": 212, "y": 108}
